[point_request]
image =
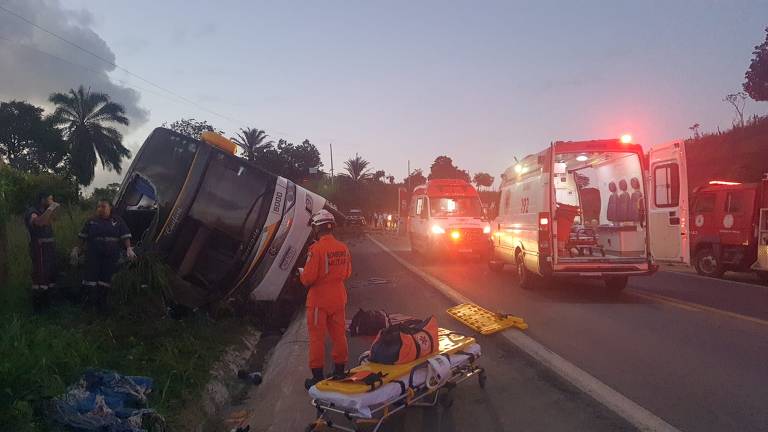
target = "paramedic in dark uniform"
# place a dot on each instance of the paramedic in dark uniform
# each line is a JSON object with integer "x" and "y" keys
{"x": 104, "y": 236}
{"x": 328, "y": 265}
{"x": 42, "y": 249}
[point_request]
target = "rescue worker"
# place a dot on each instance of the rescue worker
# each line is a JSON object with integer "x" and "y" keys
{"x": 328, "y": 265}
{"x": 42, "y": 249}
{"x": 102, "y": 236}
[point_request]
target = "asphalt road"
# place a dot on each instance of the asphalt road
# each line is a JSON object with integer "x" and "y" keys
{"x": 693, "y": 351}
{"x": 520, "y": 394}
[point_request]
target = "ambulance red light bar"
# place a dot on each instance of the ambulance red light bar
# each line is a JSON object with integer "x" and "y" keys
{"x": 724, "y": 183}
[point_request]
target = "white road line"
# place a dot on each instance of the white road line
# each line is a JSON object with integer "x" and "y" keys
{"x": 638, "y": 416}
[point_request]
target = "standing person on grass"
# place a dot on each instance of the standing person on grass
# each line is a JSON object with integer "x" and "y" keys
{"x": 103, "y": 237}
{"x": 328, "y": 265}
{"x": 42, "y": 249}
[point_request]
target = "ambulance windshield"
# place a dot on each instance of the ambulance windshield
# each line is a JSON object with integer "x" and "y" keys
{"x": 455, "y": 207}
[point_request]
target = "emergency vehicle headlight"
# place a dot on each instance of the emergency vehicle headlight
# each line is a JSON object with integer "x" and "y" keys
{"x": 487, "y": 229}
{"x": 626, "y": 139}
{"x": 437, "y": 229}
{"x": 455, "y": 235}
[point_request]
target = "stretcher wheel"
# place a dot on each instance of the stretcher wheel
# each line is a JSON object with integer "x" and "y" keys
{"x": 481, "y": 379}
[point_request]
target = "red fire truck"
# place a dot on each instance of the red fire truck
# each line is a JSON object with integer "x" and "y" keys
{"x": 724, "y": 228}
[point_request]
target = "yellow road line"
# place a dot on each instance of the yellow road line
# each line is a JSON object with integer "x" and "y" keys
{"x": 694, "y": 306}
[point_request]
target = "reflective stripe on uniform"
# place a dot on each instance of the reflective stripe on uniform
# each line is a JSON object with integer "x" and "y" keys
{"x": 45, "y": 240}
{"x": 125, "y": 236}
{"x": 104, "y": 284}
{"x": 107, "y": 239}
{"x": 39, "y": 287}
{"x": 89, "y": 283}
{"x": 327, "y": 264}
{"x": 315, "y": 319}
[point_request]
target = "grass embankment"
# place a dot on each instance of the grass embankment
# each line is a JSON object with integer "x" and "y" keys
{"x": 41, "y": 355}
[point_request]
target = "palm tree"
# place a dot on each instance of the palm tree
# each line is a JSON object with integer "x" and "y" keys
{"x": 357, "y": 169}
{"x": 84, "y": 117}
{"x": 252, "y": 141}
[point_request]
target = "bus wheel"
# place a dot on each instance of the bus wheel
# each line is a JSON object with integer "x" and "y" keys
{"x": 524, "y": 276}
{"x": 616, "y": 283}
{"x": 708, "y": 264}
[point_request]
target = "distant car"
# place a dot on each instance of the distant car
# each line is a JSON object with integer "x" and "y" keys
{"x": 355, "y": 218}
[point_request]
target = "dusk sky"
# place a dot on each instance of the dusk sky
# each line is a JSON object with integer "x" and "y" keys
{"x": 478, "y": 81}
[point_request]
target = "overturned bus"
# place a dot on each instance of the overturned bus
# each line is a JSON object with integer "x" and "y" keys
{"x": 227, "y": 228}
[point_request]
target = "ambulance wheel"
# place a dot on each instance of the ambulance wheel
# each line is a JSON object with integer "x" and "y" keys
{"x": 708, "y": 264}
{"x": 524, "y": 277}
{"x": 616, "y": 283}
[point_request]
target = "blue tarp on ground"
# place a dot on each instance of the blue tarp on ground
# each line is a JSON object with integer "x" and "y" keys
{"x": 105, "y": 401}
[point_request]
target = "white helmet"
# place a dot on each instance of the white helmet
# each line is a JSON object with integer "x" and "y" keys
{"x": 323, "y": 217}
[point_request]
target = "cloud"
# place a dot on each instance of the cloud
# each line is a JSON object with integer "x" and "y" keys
{"x": 34, "y": 64}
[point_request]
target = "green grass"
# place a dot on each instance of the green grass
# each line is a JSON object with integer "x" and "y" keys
{"x": 41, "y": 355}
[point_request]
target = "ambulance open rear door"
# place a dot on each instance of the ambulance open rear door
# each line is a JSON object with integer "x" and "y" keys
{"x": 668, "y": 204}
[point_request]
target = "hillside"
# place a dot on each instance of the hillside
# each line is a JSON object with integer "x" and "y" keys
{"x": 739, "y": 154}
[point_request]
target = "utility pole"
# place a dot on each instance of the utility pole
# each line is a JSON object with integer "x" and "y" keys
{"x": 408, "y": 177}
{"x": 331, "y": 145}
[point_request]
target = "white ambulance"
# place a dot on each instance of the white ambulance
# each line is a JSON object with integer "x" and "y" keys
{"x": 575, "y": 209}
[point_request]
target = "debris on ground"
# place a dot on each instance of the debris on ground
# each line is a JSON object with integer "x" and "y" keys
{"x": 103, "y": 400}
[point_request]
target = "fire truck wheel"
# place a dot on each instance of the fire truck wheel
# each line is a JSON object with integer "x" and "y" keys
{"x": 708, "y": 264}
{"x": 616, "y": 283}
{"x": 763, "y": 276}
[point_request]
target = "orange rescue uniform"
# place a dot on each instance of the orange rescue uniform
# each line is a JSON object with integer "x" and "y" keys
{"x": 328, "y": 265}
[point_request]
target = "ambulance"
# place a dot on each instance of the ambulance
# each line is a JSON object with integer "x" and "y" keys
{"x": 717, "y": 227}
{"x": 446, "y": 217}
{"x": 574, "y": 210}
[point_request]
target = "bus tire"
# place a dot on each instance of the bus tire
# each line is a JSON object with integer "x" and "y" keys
{"x": 616, "y": 283}
{"x": 708, "y": 264}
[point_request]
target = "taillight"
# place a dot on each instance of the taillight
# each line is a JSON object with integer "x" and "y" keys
{"x": 544, "y": 233}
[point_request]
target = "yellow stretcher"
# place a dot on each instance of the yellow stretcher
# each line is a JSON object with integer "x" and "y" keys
{"x": 484, "y": 321}
{"x": 348, "y": 406}
{"x": 449, "y": 341}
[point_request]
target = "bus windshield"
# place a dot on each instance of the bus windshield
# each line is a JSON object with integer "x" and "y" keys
{"x": 455, "y": 207}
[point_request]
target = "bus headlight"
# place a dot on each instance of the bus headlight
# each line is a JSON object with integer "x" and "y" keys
{"x": 437, "y": 229}
{"x": 487, "y": 229}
